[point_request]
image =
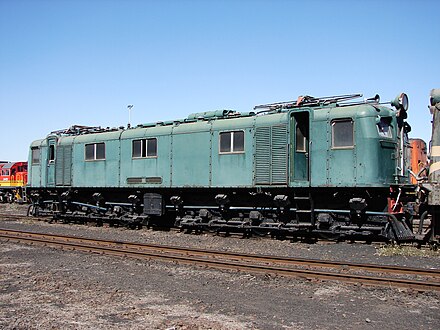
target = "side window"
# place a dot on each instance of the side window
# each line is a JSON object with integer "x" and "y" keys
{"x": 100, "y": 151}
{"x": 136, "y": 151}
{"x": 384, "y": 127}
{"x": 342, "y": 133}
{"x": 231, "y": 142}
{"x": 51, "y": 153}
{"x": 90, "y": 152}
{"x": 152, "y": 148}
{"x": 95, "y": 151}
{"x": 300, "y": 140}
{"x": 35, "y": 156}
{"x": 145, "y": 148}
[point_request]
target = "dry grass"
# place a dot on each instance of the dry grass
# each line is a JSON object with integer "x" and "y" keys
{"x": 405, "y": 250}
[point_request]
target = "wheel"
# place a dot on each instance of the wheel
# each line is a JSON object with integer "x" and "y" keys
{"x": 32, "y": 211}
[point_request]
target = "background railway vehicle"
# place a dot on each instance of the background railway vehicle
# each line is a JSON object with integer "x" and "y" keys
{"x": 13, "y": 180}
{"x": 418, "y": 156}
{"x": 335, "y": 167}
{"x": 429, "y": 192}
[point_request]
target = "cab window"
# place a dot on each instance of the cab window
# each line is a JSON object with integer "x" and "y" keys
{"x": 35, "y": 156}
{"x": 300, "y": 140}
{"x": 342, "y": 134}
{"x": 51, "y": 153}
{"x": 384, "y": 127}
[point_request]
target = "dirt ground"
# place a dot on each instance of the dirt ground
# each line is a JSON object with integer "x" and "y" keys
{"x": 45, "y": 288}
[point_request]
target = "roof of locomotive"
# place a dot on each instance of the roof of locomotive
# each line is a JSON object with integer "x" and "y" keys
{"x": 11, "y": 164}
{"x": 220, "y": 118}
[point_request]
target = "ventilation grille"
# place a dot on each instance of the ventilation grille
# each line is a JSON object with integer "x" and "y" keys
{"x": 139, "y": 180}
{"x": 63, "y": 166}
{"x": 279, "y": 155}
{"x": 271, "y": 157}
{"x": 262, "y": 155}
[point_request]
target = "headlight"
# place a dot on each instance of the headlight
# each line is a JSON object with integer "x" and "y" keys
{"x": 401, "y": 102}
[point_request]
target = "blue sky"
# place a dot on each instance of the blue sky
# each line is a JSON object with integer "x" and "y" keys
{"x": 82, "y": 62}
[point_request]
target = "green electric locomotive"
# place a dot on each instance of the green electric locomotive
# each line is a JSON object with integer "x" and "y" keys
{"x": 331, "y": 166}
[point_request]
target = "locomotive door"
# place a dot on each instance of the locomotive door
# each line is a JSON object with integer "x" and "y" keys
{"x": 299, "y": 148}
{"x": 51, "y": 143}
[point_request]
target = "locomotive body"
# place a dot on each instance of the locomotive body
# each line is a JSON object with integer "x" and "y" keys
{"x": 13, "y": 180}
{"x": 326, "y": 147}
{"x": 317, "y": 166}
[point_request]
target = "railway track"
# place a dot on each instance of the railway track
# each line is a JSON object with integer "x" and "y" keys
{"x": 356, "y": 273}
{"x": 21, "y": 216}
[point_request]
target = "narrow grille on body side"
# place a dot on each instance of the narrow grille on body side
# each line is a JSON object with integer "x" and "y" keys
{"x": 271, "y": 157}
{"x": 63, "y": 166}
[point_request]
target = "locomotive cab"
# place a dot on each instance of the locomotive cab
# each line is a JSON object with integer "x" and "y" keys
{"x": 347, "y": 146}
{"x": 13, "y": 174}
{"x": 13, "y": 179}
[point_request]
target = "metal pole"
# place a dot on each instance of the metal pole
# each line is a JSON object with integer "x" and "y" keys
{"x": 129, "y": 107}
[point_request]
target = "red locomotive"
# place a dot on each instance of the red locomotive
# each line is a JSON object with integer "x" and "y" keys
{"x": 13, "y": 180}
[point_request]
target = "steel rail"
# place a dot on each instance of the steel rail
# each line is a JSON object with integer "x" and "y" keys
{"x": 14, "y": 216}
{"x": 252, "y": 257}
{"x": 118, "y": 249}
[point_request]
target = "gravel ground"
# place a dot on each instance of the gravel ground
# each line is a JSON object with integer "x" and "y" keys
{"x": 44, "y": 288}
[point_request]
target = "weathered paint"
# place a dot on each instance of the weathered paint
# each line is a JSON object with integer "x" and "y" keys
{"x": 188, "y": 153}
